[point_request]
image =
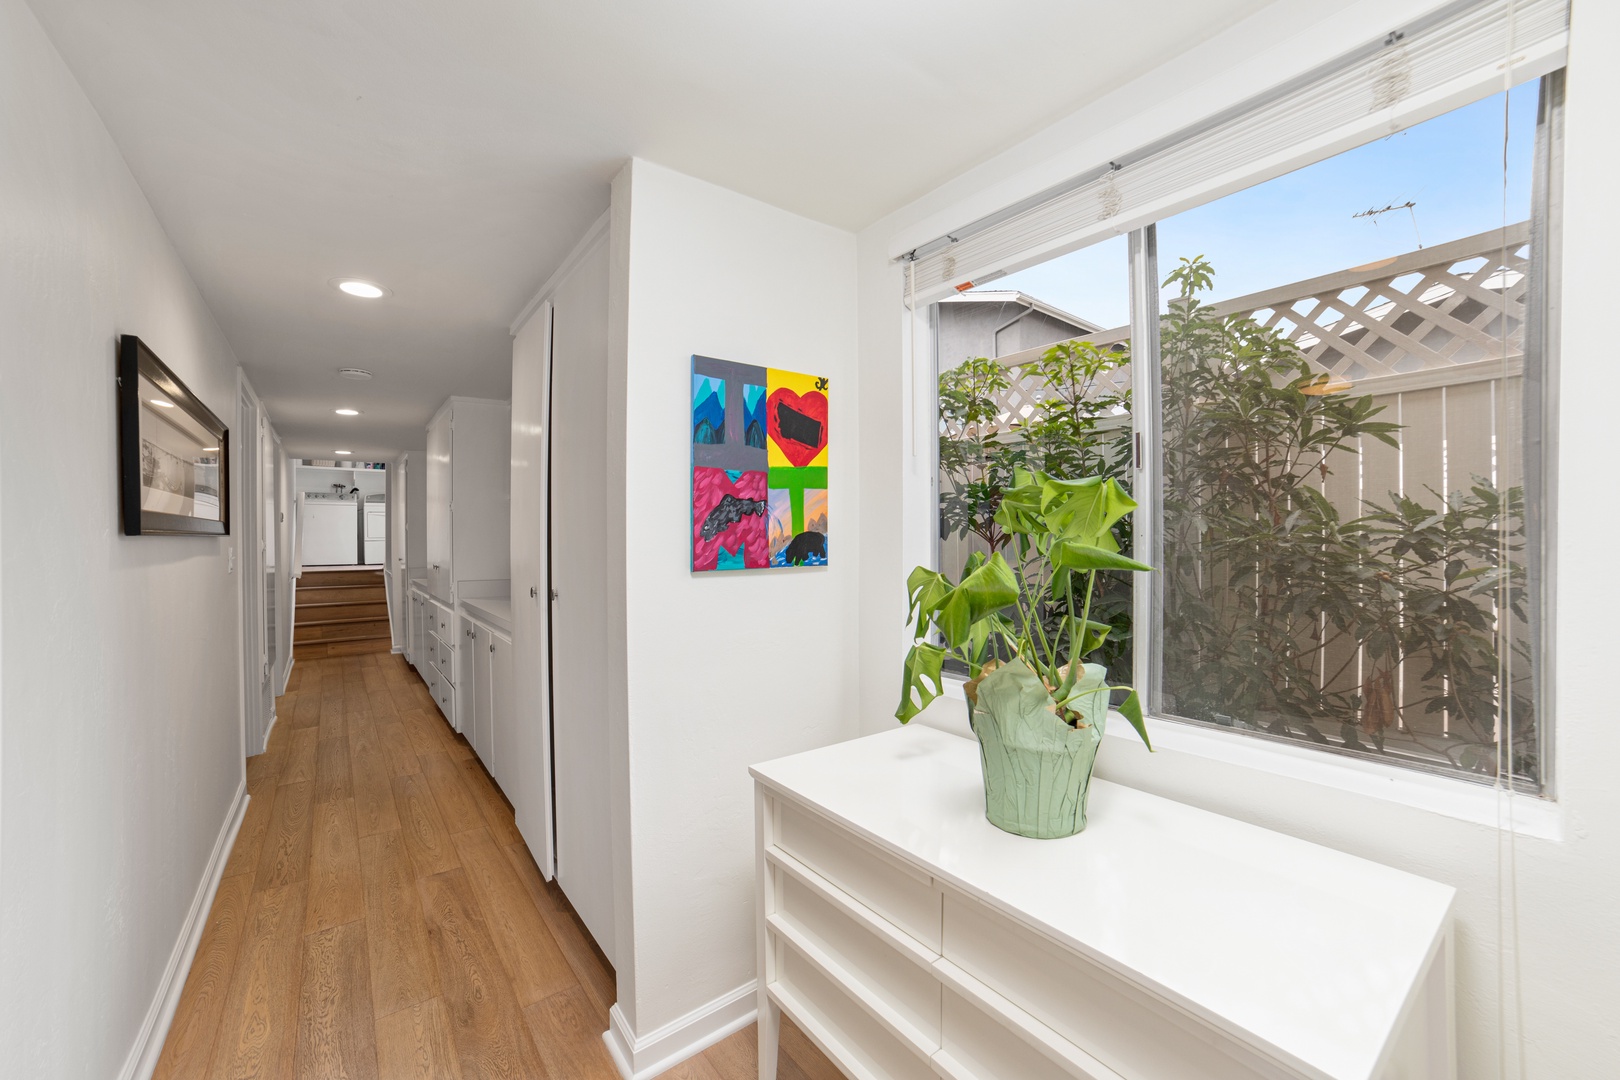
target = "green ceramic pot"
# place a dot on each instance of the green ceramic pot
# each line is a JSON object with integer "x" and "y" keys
{"x": 1037, "y": 769}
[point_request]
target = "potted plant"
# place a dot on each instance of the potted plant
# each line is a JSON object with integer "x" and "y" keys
{"x": 1037, "y": 707}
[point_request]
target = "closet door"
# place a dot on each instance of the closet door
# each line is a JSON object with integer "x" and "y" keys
{"x": 525, "y": 741}
{"x": 579, "y": 576}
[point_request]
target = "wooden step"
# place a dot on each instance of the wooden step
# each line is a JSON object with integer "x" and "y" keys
{"x": 340, "y": 594}
{"x": 315, "y": 578}
{"x": 337, "y": 612}
{"x": 320, "y": 650}
{"x": 354, "y": 630}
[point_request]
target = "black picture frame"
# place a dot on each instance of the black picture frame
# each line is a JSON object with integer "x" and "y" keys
{"x": 186, "y": 481}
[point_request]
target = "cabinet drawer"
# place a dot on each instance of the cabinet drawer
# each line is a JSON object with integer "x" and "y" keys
{"x": 1105, "y": 1015}
{"x": 444, "y": 694}
{"x": 900, "y": 894}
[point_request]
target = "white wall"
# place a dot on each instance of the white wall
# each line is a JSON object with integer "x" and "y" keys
{"x": 320, "y": 478}
{"x": 120, "y": 739}
{"x": 724, "y": 669}
{"x": 1570, "y": 935}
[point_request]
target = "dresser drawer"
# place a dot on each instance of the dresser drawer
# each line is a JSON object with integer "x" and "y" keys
{"x": 904, "y": 896}
{"x": 1115, "y": 1021}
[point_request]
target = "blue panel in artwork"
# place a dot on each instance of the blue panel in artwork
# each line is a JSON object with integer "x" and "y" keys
{"x": 726, "y": 560}
{"x": 708, "y": 410}
{"x": 754, "y": 415}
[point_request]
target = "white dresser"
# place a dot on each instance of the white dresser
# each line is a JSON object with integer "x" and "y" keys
{"x": 910, "y": 938}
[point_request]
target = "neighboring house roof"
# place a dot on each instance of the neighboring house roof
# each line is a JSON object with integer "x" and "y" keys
{"x": 1013, "y": 296}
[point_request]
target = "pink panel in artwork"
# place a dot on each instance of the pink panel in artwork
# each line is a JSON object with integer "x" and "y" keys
{"x": 728, "y": 520}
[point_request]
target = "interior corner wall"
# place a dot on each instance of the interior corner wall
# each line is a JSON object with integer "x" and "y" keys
{"x": 725, "y": 669}
{"x": 1569, "y": 944}
{"x": 120, "y": 726}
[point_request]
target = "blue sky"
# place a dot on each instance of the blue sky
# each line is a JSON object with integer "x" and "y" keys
{"x": 1303, "y": 224}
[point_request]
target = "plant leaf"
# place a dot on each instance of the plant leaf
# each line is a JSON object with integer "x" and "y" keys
{"x": 1131, "y": 709}
{"x": 927, "y": 590}
{"x": 923, "y": 665}
{"x": 987, "y": 590}
{"x": 1073, "y": 555}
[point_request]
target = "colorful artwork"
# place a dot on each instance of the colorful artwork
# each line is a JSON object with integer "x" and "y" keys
{"x": 759, "y": 467}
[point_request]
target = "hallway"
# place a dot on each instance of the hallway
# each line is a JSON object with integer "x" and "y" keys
{"x": 380, "y": 915}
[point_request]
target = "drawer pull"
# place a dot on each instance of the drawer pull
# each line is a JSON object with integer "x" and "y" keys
{"x": 903, "y": 942}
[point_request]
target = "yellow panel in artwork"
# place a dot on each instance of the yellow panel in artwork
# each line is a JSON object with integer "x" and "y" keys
{"x": 796, "y": 415}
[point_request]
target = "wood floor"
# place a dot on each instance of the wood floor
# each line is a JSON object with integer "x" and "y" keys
{"x": 380, "y": 916}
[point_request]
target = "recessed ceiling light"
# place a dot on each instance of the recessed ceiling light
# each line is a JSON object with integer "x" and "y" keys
{"x": 160, "y": 403}
{"x": 365, "y": 290}
{"x": 340, "y": 451}
{"x": 347, "y": 412}
{"x": 355, "y": 373}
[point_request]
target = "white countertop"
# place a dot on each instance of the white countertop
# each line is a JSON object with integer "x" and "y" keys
{"x": 422, "y": 586}
{"x": 1299, "y": 948}
{"x": 495, "y": 610}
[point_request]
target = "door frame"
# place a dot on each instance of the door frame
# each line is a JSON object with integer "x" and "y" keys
{"x": 254, "y": 670}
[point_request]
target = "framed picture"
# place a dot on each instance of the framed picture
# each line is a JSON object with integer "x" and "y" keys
{"x": 759, "y": 467}
{"x": 173, "y": 454}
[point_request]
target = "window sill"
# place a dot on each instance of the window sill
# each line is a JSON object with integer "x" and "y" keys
{"x": 1524, "y": 815}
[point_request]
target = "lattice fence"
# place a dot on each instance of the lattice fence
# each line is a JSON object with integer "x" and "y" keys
{"x": 1425, "y": 318}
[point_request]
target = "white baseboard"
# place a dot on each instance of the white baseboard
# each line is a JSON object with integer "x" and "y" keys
{"x": 643, "y": 1057}
{"x": 143, "y": 1056}
{"x": 286, "y": 676}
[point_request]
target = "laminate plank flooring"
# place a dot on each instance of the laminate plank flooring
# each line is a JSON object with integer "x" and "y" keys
{"x": 380, "y": 918}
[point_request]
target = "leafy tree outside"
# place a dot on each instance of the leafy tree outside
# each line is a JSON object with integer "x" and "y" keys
{"x": 1379, "y": 634}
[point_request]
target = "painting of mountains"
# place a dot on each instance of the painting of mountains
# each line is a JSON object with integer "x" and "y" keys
{"x": 708, "y": 410}
{"x": 754, "y": 415}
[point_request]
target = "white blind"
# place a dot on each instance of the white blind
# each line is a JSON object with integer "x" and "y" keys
{"x": 1465, "y": 52}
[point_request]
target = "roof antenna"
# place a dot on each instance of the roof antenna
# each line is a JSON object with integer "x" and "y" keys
{"x": 1409, "y": 206}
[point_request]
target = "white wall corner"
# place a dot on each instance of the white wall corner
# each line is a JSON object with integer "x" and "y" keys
{"x": 143, "y": 1056}
{"x": 646, "y": 1056}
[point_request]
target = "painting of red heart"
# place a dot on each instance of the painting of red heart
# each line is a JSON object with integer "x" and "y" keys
{"x": 759, "y": 467}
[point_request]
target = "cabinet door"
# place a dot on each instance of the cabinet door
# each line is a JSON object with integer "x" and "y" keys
{"x": 478, "y": 695}
{"x": 418, "y": 632}
{"x": 507, "y": 768}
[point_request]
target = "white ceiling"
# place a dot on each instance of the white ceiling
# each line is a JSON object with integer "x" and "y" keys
{"x": 454, "y": 152}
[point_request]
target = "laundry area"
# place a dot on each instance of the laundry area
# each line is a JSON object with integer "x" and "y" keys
{"x": 342, "y": 512}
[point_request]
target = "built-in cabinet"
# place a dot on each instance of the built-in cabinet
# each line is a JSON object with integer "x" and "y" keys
{"x": 467, "y": 513}
{"x": 486, "y": 693}
{"x": 468, "y": 495}
{"x": 430, "y": 646}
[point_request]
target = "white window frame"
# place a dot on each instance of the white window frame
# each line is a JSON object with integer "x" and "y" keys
{"x": 1450, "y": 795}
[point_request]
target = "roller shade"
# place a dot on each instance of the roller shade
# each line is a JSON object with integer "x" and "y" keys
{"x": 1459, "y": 54}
